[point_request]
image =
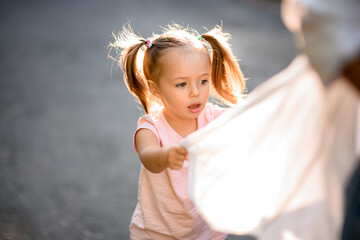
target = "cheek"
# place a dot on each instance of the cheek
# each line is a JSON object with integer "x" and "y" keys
{"x": 206, "y": 91}
{"x": 170, "y": 96}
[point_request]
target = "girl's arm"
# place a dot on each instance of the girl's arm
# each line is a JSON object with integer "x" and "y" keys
{"x": 156, "y": 158}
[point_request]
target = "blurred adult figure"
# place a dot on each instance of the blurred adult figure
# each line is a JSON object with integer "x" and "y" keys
{"x": 284, "y": 176}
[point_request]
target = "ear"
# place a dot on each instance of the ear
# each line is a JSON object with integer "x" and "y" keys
{"x": 154, "y": 89}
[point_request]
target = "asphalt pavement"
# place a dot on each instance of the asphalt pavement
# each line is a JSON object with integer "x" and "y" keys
{"x": 67, "y": 165}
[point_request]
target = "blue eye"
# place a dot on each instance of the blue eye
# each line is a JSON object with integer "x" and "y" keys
{"x": 181, "y": 85}
{"x": 203, "y": 82}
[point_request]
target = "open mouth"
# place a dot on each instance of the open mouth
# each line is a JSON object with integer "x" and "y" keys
{"x": 195, "y": 108}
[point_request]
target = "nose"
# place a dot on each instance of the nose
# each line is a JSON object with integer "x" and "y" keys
{"x": 194, "y": 90}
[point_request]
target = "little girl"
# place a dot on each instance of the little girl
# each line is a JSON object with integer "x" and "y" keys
{"x": 172, "y": 76}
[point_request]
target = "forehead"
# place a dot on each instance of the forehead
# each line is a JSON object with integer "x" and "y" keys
{"x": 184, "y": 62}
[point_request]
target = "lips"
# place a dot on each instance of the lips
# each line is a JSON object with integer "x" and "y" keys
{"x": 195, "y": 108}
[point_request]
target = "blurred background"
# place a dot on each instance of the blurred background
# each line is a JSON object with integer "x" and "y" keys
{"x": 67, "y": 165}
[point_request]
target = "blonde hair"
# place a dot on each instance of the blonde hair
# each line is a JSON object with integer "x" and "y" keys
{"x": 140, "y": 63}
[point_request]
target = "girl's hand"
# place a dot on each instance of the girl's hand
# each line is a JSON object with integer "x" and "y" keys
{"x": 174, "y": 157}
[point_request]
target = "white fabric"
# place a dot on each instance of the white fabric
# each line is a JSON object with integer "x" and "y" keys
{"x": 328, "y": 32}
{"x": 276, "y": 166}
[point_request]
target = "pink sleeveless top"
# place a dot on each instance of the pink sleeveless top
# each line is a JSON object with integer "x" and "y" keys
{"x": 164, "y": 209}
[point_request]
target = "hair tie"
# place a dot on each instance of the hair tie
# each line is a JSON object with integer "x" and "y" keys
{"x": 201, "y": 38}
{"x": 148, "y": 43}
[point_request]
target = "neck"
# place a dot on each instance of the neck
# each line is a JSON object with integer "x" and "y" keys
{"x": 182, "y": 127}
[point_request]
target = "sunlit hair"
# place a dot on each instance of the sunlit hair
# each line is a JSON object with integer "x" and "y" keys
{"x": 141, "y": 64}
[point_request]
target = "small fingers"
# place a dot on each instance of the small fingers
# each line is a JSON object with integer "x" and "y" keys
{"x": 175, "y": 157}
{"x": 182, "y": 151}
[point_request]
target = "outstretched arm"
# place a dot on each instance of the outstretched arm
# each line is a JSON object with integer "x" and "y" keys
{"x": 156, "y": 158}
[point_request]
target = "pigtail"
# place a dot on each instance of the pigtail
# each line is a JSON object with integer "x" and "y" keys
{"x": 227, "y": 78}
{"x": 134, "y": 77}
{"x": 130, "y": 61}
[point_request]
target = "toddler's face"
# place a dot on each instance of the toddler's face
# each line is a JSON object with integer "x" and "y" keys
{"x": 184, "y": 83}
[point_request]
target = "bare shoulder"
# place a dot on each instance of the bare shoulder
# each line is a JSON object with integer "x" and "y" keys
{"x": 146, "y": 138}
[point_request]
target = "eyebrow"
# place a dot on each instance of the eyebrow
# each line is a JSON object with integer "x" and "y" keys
{"x": 202, "y": 75}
